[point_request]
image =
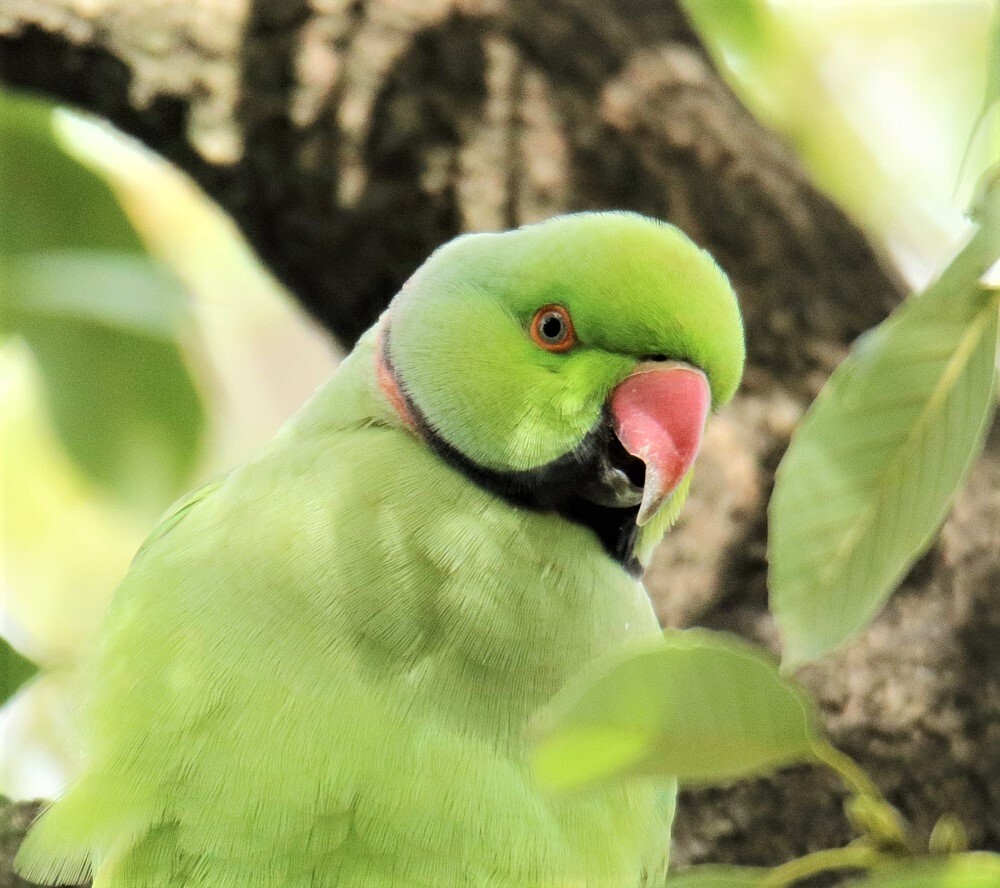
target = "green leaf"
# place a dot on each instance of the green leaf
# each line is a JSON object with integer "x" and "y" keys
{"x": 876, "y": 462}
{"x": 50, "y": 200}
{"x": 976, "y": 870}
{"x": 101, "y": 317}
{"x": 118, "y": 390}
{"x": 102, "y": 328}
{"x": 15, "y": 670}
{"x": 700, "y": 706}
{"x": 717, "y": 877}
{"x": 873, "y": 468}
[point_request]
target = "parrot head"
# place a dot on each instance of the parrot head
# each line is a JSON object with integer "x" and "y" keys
{"x": 568, "y": 366}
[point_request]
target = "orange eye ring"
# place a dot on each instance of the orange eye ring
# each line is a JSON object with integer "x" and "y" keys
{"x": 552, "y": 329}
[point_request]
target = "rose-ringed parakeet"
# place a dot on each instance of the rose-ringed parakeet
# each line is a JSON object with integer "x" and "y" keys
{"x": 321, "y": 669}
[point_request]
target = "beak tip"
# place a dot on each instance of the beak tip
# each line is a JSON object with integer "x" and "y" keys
{"x": 660, "y": 412}
{"x": 653, "y": 496}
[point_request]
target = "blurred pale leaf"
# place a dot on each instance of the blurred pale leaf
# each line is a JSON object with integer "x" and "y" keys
{"x": 123, "y": 404}
{"x": 15, "y": 670}
{"x": 700, "y": 706}
{"x": 53, "y": 595}
{"x": 101, "y": 317}
{"x": 976, "y": 870}
{"x": 129, "y": 292}
{"x": 262, "y": 356}
{"x": 991, "y": 94}
{"x": 876, "y": 99}
{"x": 874, "y": 466}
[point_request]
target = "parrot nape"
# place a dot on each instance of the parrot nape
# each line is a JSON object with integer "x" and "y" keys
{"x": 320, "y": 669}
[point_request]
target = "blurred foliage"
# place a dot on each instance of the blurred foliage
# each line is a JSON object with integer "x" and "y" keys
{"x": 878, "y": 100}
{"x": 696, "y": 705}
{"x": 977, "y": 870}
{"x": 707, "y": 708}
{"x": 100, "y": 316}
{"x": 711, "y": 876}
{"x": 124, "y": 294}
{"x": 991, "y": 93}
{"x": 880, "y": 456}
{"x": 63, "y": 545}
{"x": 15, "y": 670}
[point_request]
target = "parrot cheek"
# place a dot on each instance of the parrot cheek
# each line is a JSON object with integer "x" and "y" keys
{"x": 659, "y": 415}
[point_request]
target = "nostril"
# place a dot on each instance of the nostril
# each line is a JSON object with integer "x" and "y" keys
{"x": 656, "y": 358}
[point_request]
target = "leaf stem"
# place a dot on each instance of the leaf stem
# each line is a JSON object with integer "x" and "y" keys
{"x": 853, "y": 775}
{"x": 858, "y": 855}
{"x": 868, "y": 810}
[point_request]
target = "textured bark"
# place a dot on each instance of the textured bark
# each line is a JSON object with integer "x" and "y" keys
{"x": 348, "y": 139}
{"x": 14, "y": 821}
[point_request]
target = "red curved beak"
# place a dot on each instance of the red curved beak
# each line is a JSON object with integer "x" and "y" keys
{"x": 659, "y": 414}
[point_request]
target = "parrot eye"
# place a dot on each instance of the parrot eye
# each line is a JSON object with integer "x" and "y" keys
{"x": 552, "y": 329}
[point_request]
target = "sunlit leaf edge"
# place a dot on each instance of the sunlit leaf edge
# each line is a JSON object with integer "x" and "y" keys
{"x": 640, "y": 755}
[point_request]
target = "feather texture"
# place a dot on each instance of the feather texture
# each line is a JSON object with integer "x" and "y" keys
{"x": 320, "y": 670}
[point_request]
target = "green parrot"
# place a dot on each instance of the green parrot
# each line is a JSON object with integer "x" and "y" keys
{"x": 322, "y": 669}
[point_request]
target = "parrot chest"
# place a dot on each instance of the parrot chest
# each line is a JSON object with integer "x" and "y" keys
{"x": 344, "y": 698}
{"x": 481, "y": 642}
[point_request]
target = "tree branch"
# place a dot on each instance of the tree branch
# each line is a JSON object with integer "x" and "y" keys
{"x": 14, "y": 822}
{"x": 349, "y": 141}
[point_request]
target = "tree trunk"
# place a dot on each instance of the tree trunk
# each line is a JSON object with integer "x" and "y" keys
{"x": 348, "y": 138}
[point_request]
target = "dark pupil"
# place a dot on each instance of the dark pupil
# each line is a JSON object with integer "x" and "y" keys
{"x": 552, "y": 327}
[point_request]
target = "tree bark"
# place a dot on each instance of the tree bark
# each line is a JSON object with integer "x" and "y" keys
{"x": 348, "y": 139}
